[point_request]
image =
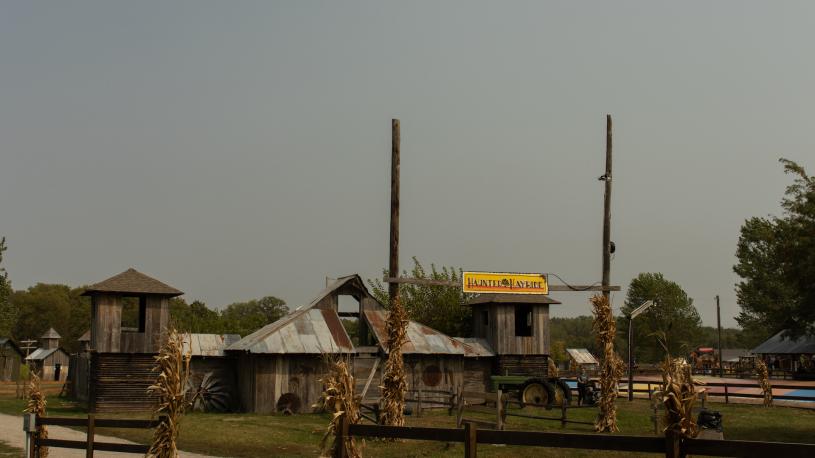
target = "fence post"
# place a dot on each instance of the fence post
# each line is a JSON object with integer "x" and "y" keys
{"x": 419, "y": 403}
{"x": 30, "y": 427}
{"x": 342, "y": 434}
{"x": 726, "y": 400}
{"x": 499, "y": 410}
{"x": 460, "y": 407}
{"x": 649, "y": 390}
{"x": 91, "y": 434}
{"x": 470, "y": 440}
{"x": 563, "y": 414}
{"x": 452, "y": 400}
{"x": 673, "y": 445}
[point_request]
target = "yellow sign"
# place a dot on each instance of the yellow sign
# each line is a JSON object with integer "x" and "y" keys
{"x": 496, "y": 282}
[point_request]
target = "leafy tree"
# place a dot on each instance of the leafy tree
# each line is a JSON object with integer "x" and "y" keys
{"x": 776, "y": 261}
{"x": 44, "y": 306}
{"x": 574, "y": 333}
{"x": 441, "y": 307}
{"x": 8, "y": 312}
{"x": 195, "y": 317}
{"x": 672, "y": 316}
{"x": 245, "y": 318}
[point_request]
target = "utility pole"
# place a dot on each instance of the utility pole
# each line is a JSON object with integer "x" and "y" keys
{"x": 393, "y": 265}
{"x": 719, "y": 326}
{"x": 607, "y": 213}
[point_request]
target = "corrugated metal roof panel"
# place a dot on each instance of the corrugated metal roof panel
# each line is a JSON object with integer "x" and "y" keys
{"x": 421, "y": 339}
{"x": 475, "y": 347}
{"x": 776, "y": 345}
{"x": 288, "y": 334}
{"x": 209, "y": 344}
{"x": 40, "y": 354}
{"x": 581, "y": 356}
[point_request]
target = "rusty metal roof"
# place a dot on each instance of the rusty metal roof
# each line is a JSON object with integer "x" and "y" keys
{"x": 209, "y": 344}
{"x": 476, "y": 347}
{"x": 581, "y": 356}
{"x": 420, "y": 338}
{"x": 306, "y": 330}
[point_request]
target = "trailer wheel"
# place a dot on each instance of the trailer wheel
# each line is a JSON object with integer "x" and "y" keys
{"x": 563, "y": 393}
{"x": 537, "y": 391}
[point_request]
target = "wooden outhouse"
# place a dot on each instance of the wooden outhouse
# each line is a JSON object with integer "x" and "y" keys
{"x": 129, "y": 316}
{"x": 10, "y": 358}
{"x": 49, "y": 361}
{"x": 516, "y": 327}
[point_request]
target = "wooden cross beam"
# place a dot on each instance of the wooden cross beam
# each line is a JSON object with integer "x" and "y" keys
{"x": 552, "y": 288}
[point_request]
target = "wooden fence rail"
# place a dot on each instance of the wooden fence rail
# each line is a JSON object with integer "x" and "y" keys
{"x": 672, "y": 446}
{"x": 35, "y": 444}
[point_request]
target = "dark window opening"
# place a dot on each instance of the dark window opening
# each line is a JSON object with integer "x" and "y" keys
{"x": 523, "y": 320}
{"x": 485, "y": 317}
{"x": 134, "y": 313}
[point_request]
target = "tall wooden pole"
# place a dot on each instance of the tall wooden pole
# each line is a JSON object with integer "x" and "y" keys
{"x": 719, "y": 326}
{"x": 393, "y": 265}
{"x": 607, "y": 214}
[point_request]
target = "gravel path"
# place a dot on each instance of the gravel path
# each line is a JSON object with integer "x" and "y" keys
{"x": 11, "y": 432}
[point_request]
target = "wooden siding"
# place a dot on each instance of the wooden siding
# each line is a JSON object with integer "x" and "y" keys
{"x": 477, "y": 374}
{"x": 263, "y": 379}
{"x": 451, "y": 368}
{"x": 500, "y": 329}
{"x": 107, "y": 335}
{"x": 9, "y": 364}
{"x": 527, "y": 365}
{"x": 119, "y": 382}
{"x": 106, "y": 330}
{"x": 49, "y": 365}
{"x": 79, "y": 376}
{"x": 362, "y": 365}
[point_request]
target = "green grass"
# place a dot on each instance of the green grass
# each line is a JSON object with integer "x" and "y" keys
{"x": 249, "y": 435}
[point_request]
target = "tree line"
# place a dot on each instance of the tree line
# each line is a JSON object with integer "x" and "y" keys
{"x": 29, "y": 313}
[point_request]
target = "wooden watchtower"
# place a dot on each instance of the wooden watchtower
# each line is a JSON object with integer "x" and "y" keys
{"x": 517, "y": 328}
{"x": 129, "y": 317}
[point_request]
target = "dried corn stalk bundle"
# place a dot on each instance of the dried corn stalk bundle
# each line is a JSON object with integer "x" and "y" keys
{"x": 612, "y": 367}
{"x": 393, "y": 380}
{"x": 678, "y": 396}
{"x": 36, "y": 404}
{"x": 764, "y": 380}
{"x": 551, "y": 368}
{"x": 173, "y": 367}
{"x": 338, "y": 398}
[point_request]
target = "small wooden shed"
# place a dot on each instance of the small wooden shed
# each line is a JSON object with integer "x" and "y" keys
{"x": 10, "y": 359}
{"x": 49, "y": 361}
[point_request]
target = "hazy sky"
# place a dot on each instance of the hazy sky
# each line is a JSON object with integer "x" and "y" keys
{"x": 241, "y": 149}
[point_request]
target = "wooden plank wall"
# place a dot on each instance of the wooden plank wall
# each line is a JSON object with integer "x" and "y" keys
{"x": 9, "y": 364}
{"x": 106, "y": 332}
{"x": 450, "y": 366}
{"x": 49, "y": 366}
{"x": 119, "y": 382}
{"x": 528, "y": 365}
{"x": 477, "y": 372}
{"x": 500, "y": 329}
{"x": 362, "y": 365}
{"x": 245, "y": 373}
{"x": 80, "y": 367}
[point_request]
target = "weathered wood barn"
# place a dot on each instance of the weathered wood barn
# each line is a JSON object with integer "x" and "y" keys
{"x": 279, "y": 366}
{"x": 10, "y": 359}
{"x": 49, "y": 360}
{"x": 122, "y": 353}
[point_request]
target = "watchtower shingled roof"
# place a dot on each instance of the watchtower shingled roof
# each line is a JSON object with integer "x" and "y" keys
{"x": 132, "y": 281}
